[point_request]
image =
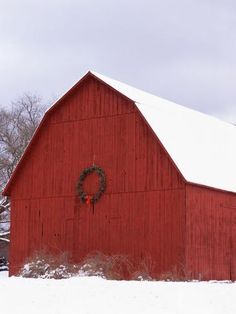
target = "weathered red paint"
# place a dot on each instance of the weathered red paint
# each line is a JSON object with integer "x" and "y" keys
{"x": 210, "y": 233}
{"x": 147, "y": 212}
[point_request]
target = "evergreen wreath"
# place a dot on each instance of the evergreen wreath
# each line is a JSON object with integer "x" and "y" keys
{"x": 84, "y": 197}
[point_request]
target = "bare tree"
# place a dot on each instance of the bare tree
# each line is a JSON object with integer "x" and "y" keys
{"x": 17, "y": 126}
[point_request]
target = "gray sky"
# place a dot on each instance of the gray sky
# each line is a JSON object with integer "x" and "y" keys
{"x": 182, "y": 50}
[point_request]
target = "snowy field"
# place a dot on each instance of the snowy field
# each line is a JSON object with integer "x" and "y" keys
{"x": 91, "y": 295}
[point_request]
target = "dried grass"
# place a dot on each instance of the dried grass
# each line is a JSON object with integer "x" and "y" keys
{"x": 112, "y": 267}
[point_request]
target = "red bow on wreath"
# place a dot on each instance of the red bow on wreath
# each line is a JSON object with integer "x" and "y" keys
{"x": 88, "y": 199}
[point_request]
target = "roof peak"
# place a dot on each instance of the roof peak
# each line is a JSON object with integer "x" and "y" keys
{"x": 141, "y": 96}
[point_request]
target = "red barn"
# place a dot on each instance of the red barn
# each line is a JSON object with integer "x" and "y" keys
{"x": 170, "y": 192}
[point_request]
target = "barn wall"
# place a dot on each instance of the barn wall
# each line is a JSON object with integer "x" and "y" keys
{"x": 142, "y": 211}
{"x": 210, "y": 234}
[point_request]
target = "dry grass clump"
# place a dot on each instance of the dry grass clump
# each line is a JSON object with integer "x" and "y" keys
{"x": 113, "y": 267}
{"x": 44, "y": 265}
{"x": 174, "y": 274}
{"x": 116, "y": 267}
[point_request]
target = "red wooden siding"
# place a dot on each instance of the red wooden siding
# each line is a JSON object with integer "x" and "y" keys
{"x": 141, "y": 214}
{"x": 141, "y": 225}
{"x": 210, "y": 234}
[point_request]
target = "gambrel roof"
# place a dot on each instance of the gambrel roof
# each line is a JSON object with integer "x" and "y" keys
{"x": 202, "y": 147}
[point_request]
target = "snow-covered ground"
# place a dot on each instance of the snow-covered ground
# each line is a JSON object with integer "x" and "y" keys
{"x": 91, "y": 295}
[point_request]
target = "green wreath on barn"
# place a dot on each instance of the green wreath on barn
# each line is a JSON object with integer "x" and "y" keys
{"x": 84, "y": 197}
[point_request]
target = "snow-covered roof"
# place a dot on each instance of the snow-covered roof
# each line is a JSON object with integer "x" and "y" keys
{"x": 202, "y": 147}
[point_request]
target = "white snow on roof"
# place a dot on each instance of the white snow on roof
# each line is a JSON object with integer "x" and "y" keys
{"x": 202, "y": 147}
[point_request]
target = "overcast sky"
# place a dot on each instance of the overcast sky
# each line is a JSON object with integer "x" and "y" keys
{"x": 182, "y": 50}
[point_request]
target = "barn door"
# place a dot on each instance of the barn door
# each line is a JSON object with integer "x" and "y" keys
{"x": 91, "y": 230}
